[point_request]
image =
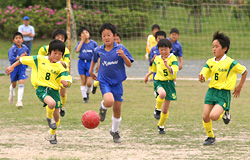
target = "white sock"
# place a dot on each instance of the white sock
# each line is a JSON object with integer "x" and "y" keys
{"x": 12, "y": 90}
{"x": 103, "y": 105}
{"x": 115, "y": 123}
{"x": 88, "y": 89}
{"x": 20, "y": 92}
{"x": 83, "y": 90}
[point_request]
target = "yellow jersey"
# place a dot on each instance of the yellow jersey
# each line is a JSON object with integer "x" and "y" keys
{"x": 66, "y": 57}
{"x": 223, "y": 73}
{"x": 45, "y": 73}
{"x": 151, "y": 42}
{"x": 162, "y": 72}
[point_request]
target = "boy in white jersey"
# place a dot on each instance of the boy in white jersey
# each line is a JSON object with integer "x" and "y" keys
{"x": 223, "y": 72}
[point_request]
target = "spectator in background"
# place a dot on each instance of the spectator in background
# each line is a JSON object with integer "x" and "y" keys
{"x": 27, "y": 31}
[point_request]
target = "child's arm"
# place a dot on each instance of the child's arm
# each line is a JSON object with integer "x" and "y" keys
{"x": 237, "y": 90}
{"x": 78, "y": 48}
{"x": 166, "y": 64}
{"x": 91, "y": 70}
{"x": 181, "y": 62}
{"x": 146, "y": 77}
{"x": 65, "y": 83}
{"x": 125, "y": 58}
{"x": 11, "y": 68}
{"x": 201, "y": 78}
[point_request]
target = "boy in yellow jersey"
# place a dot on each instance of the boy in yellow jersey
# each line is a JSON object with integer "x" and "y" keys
{"x": 60, "y": 34}
{"x": 151, "y": 42}
{"x": 117, "y": 40}
{"x": 50, "y": 75}
{"x": 223, "y": 72}
{"x": 166, "y": 67}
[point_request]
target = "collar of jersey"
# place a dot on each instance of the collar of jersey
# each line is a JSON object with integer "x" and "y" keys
{"x": 168, "y": 56}
{"x": 222, "y": 59}
{"x": 174, "y": 42}
{"x": 115, "y": 45}
{"x": 14, "y": 45}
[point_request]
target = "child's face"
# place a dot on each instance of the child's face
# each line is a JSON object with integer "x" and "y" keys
{"x": 18, "y": 40}
{"x": 159, "y": 38}
{"x": 155, "y": 30}
{"x": 218, "y": 50}
{"x": 60, "y": 37}
{"x": 107, "y": 37}
{"x": 117, "y": 39}
{"x": 55, "y": 56}
{"x": 85, "y": 34}
{"x": 174, "y": 37}
{"x": 164, "y": 51}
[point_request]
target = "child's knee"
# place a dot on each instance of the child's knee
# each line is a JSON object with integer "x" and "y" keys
{"x": 214, "y": 117}
{"x": 162, "y": 95}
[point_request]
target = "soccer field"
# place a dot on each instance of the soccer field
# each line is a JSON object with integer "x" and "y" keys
{"x": 22, "y": 131}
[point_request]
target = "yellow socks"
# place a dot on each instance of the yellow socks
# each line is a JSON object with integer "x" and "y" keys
{"x": 208, "y": 128}
{"x": 49, "y": 112}
{"x": 53, "y": 131}
{"x": 96, "y": 83}
{"x": 221, "y": 115}
{"x": 159, "y": 103}
{"x": 63, "y": 100}
{"x": 163, "y": 119}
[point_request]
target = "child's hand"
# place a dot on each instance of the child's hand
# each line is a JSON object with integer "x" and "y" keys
{"x": 180, "y": 67}
{"x": 93, "y": 75}
{"x": 165, "y": 61}
{"x": 64, "y": 83}
{"x": 24, "y": 54}
{"x": 146, "y": 79}
{"x": 201, "y": 78}
{"x": 120, "y": 52}
{"x": 146, "y": 56}
{"x": 236, "y": 92}
{"x": 9, "y": 70}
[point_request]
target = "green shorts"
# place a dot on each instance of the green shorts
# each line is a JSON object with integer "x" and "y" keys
{"x": 221, "y": 97}
{"x": 42, "y": 92}
{"x": 169, "y": 88}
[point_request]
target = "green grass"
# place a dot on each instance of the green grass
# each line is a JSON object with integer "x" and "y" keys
{"x": 184, "y": 130}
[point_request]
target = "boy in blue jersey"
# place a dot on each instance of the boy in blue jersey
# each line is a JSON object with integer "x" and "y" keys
{"x": 15, "y": 52}
{"x": 86, "y": 49}
{"x": 113, "y": 58}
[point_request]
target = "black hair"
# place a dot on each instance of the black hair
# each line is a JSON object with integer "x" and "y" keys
{"x": 164, "y": 43}
{"x": 56, "y": 45}
{"x": 156, "y": 26}
{"x": 107, "y": 26}
{"x": 174, "y": 30}
{"x": 58, "y": 32}
{"x": 160, "y": 33}
{"x": 17, "y": 34}
{"x": 82, "y": 29}
{"x": 223, "y": 40}
{"x": 119, "y": 35}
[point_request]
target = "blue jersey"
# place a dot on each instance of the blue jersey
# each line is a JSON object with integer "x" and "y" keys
{"x": 87, "y": 50}
{"x": 154, "y": 51}
{"x": 112, "y": 67}
{"x": 176, "y": 49}
{"x": 15, "y": 52}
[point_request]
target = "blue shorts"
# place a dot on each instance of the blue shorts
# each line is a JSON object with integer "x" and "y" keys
{"x": 116, "y": 90}
{"x": 83, "y": 67}
{"x": 18, "y": 73}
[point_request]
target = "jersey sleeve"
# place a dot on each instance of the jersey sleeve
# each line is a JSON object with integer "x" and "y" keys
{"x": 29, "y": 60}
{"x": 127, "y": 53}
{"x": 180, "y": 53}
{"x": 43, "y": 50}
{"x": 66, "y": 57}
{"x": 12, "y": 56}
{"x": 206, "y": 71}
{"x": 95, "y": 55}
{"x": 238, "y": 67}
{"x": 64, "y": 75}
{"x": 154, "y": 67}
{"x": 174, "y": 66}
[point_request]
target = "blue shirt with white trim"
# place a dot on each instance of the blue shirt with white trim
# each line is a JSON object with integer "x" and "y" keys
{"x": 112, "y": 67}
{"x": 15, "y": 52}
{"x": 176, "y": 49}
{"x": 87, "y": 50}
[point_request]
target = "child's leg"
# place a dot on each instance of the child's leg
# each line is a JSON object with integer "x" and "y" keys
{"x": 160, "y": 98}
{"x": 207, "y": 123}
{"x": 63, "y": 96}
{"x": 51, "y": 103}
{"x": 83, "y": 86}
{"x": 12, "y": 92}
{"x": 57, "y": 119}
{"x": 89, "y": 83}
{"x": 108, "y": 100}
{"x": 20, "y": 90}
{"x": 164, "y": 113}
{"x": 216, "y": 112}
{"x": 116, "y": 118}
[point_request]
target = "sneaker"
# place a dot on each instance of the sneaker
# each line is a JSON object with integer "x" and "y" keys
{"x": 52, "y": 123}
{"x": 226, "y": 117}
{"x": 209, "y": 141}
{"x": 19, "y": 104}
{"x": 161, "y": 130}
{"x": 87, "y": 96}
{"x": 157, "y": 113}
{"x": 85, "y": 100}
{"x": 102, "y": 114}
{"x": 51, "y": 138}
{"x": 62, "y": 111}
{"x": 116, "y": 136}
{"x": 94, "y": 89}
{"x": 11, "y": 99}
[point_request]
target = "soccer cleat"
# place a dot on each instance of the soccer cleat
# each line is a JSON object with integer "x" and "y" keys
{"x": 62, "y": 111}
{"x": 51, "y": 138}
{"x": 102, "y": 114}
{"x": 226, "y": 117}
{"x": 209, "y": 141}
{"x": 161, "y": 130}
{"x": 85, "y": 100}
{"x": 157, "y": 113}
{"x": 11, "y": 98}
{"x": 19, "y": 104}
{"x": 94, "y": 89}
{"x": 52, "y": 123}
{"x": 116, "y": 136}
{"x": 87, "y": 96}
